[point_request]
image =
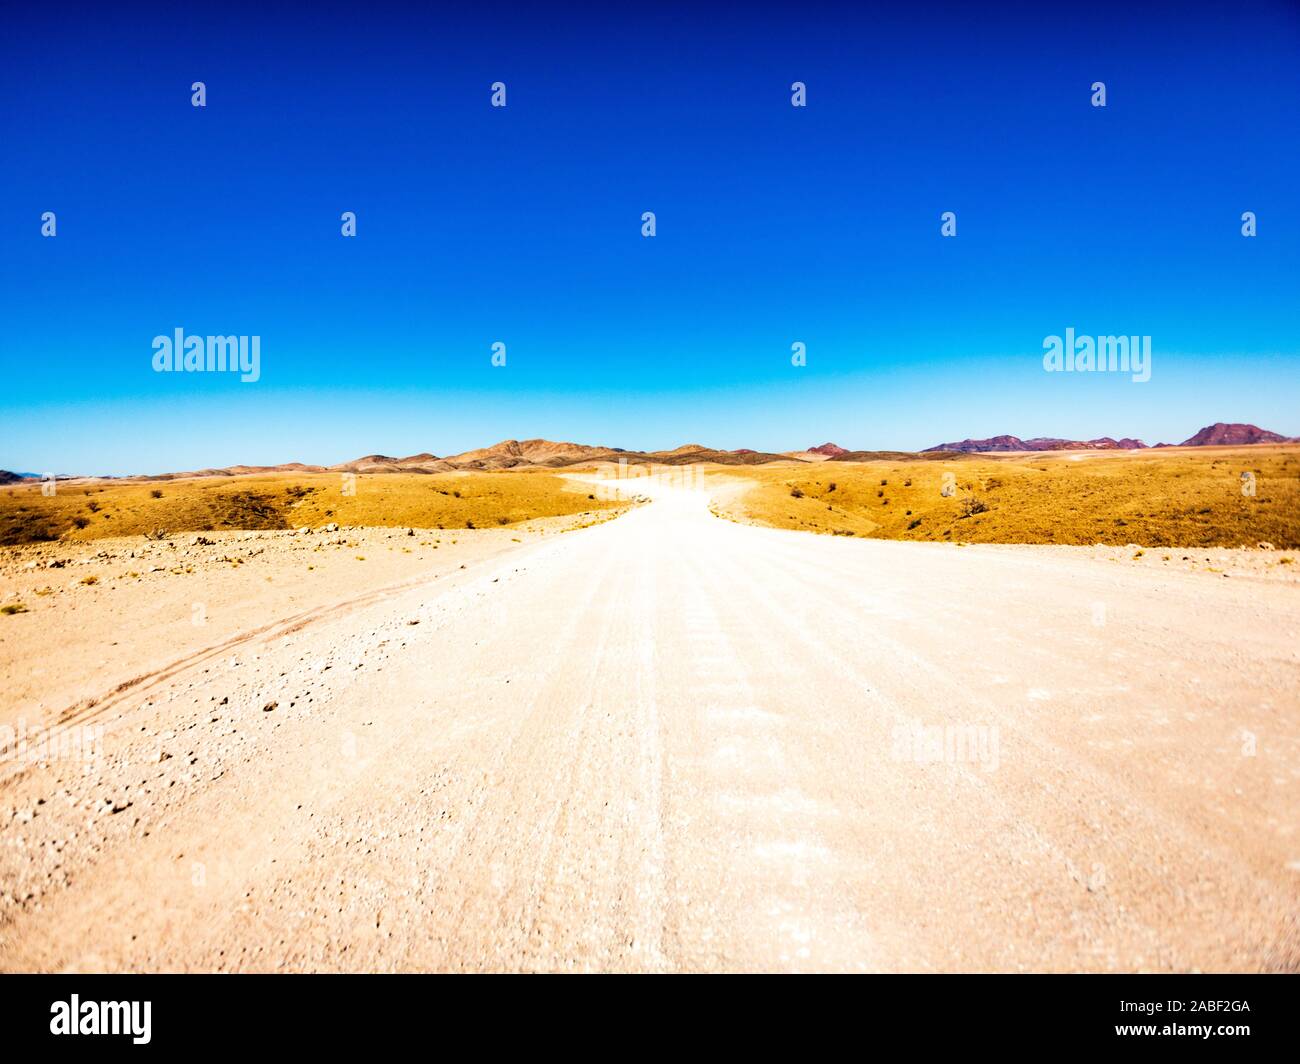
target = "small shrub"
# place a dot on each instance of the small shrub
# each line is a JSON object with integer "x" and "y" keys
{"x": 155, "y": 494}
{"x": 796, "y": 493}
{"x": 12, "y": 608}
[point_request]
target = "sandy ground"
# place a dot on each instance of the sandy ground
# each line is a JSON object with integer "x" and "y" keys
{"x": 109, "y": 613}
{"x": 666, "y": 742}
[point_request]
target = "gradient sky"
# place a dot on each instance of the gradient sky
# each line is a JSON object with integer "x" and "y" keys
{"x": 522, "y": 225}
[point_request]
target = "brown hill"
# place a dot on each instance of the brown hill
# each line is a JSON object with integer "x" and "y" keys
{"x": 1222, "y": 434}
{"x": 511, "y": 453}
{"x": 687, "y": 456}
{"x": 993, "y": 443}
{"x": 830, "y": 450}
{"x": 382, "y": 463}
{"x": 368, "y": 463}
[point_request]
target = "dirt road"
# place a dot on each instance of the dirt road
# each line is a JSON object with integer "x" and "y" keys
{"x": 673, "y": 743}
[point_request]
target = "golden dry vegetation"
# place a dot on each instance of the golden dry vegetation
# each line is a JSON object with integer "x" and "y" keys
{"x": 1168, "y": 497}
{"x": 85, "y": 510}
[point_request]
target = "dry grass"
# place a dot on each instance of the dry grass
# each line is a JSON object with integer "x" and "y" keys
{"x": 1175, "y": 497}
{"x": 92, "y": 510}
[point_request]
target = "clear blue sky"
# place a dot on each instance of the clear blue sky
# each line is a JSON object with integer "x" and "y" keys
{"x": 522, "y": 225}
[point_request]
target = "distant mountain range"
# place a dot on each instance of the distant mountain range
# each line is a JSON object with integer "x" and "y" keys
{"x": 1039, "y": 443}
{"x": 508, "y": 454}
{"x": 1220, "y": 434}
{"x": 514, "y": 454}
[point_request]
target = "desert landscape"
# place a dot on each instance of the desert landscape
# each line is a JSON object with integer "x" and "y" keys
{"x": 678, "y": 490}
{"x": 1006, "y": 705}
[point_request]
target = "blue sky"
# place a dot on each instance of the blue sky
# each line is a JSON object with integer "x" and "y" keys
{"x": 522, "y": 225}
